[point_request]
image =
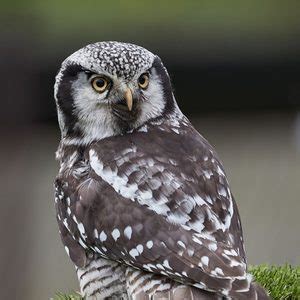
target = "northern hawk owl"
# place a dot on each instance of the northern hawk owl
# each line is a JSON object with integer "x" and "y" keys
{"x": 143, "y": 203}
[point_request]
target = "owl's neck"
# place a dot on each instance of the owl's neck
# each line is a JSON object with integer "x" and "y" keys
{"x": 104, "y": 127}
{"x": 71, "y": 151}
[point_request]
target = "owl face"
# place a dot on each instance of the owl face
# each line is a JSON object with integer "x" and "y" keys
{"x": 110, "y": 88}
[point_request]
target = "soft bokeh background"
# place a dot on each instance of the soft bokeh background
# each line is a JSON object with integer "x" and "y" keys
{"x": 235, "y": 66}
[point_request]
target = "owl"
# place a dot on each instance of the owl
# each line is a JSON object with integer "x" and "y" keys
{"x": 143, "y": 204}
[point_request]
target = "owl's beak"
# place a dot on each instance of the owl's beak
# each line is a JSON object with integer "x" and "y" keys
{"x": 128, "y": 98}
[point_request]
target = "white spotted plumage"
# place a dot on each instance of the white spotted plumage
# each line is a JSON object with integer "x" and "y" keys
{"x": 139, "y": 190}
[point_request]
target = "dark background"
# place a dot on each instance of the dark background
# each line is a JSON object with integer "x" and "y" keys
{"x": 236, "y": 55}
{"x": 235, "y": 67}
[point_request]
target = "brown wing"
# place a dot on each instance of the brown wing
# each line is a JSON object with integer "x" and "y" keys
{"x": 157, "y": 200}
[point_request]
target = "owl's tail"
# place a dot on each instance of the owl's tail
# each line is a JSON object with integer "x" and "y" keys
{"x": 183, "y": 292}
{"x": 143, "y": 285}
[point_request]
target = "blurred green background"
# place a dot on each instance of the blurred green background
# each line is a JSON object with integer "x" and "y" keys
{"x": 235, "y": 66}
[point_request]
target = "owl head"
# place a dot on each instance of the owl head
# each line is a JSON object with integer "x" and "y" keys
{"x": 110, "y": 88}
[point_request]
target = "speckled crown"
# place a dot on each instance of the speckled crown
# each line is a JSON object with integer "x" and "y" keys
{"x": 116, "y": 58}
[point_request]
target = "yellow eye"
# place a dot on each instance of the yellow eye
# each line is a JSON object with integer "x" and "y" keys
{"x": 143, "y": 81}
{"x": 99, "y": 84}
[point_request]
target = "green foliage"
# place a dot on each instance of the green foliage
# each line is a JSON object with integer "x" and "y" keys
{"x": 282, "y": 282}
{"x": 56, "y": 20}
{"x": 72, "y": 296}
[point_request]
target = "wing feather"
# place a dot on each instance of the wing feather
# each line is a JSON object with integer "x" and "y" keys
{"x": 172, "y": 191}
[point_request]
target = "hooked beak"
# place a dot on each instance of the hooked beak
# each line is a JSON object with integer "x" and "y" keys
{"x": 128, "y": 98}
